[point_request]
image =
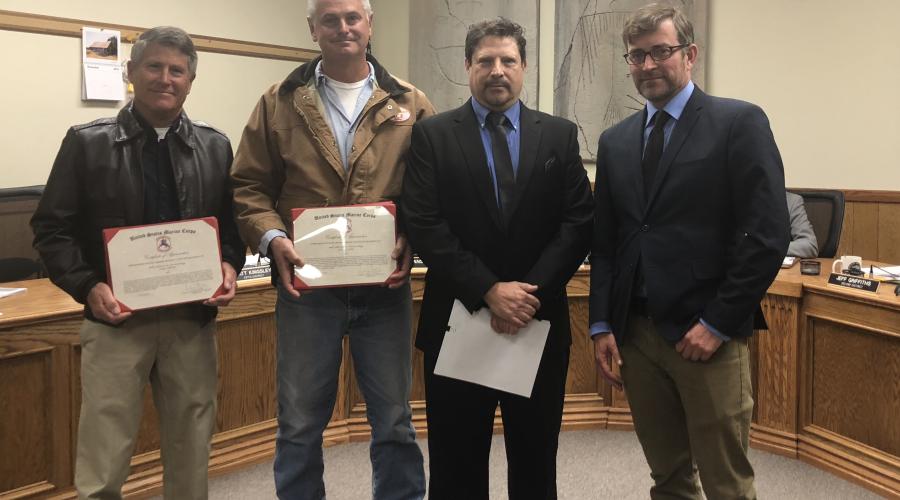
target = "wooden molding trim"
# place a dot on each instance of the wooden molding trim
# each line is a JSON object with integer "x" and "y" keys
{"x": 773, "y": 440}
{"x": 860, "y": 195}
{"x": 60, "y": 26}
{"x": 841, "y": 461}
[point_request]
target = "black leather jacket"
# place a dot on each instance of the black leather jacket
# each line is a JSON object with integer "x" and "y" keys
{"x": 96, "y": 183}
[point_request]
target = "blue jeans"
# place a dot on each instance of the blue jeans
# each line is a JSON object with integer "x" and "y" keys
{"x": 310, "y": 330}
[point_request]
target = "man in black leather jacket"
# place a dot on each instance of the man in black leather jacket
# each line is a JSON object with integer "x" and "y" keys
{"x": 149, "y": 164}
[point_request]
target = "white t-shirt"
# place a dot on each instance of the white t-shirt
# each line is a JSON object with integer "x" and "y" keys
{"x": 348, "y": 93}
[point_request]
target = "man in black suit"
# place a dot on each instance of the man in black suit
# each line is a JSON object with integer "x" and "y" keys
{"x": 690, "y": 229}
{"x": 498, "y": 205}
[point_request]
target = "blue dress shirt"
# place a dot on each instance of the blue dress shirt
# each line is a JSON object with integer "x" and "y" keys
{"x": 512, "y": 137}
{"x": 343, "y": 127}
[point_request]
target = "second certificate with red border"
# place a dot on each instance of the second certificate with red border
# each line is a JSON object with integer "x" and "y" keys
{"x": 345, "y": 246}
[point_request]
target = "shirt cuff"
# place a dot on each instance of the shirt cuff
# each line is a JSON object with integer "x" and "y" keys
{"x": 600, "y": 327}
{"x": 267, "y": 238}
{"x": 717, "y": 333}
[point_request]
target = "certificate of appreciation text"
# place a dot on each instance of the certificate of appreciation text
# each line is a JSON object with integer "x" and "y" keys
{"x": 164, "y": 264}
{"x": 342, "y": 246}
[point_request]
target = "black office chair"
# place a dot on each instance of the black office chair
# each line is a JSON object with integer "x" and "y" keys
{"x": 18, "y": 261}
{"x": 18, "y": 268}
{"x": 825, "y": 210}
{"x": 21, "y": 193}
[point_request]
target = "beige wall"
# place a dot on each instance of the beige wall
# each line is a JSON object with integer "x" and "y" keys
{"x": 41, "y": 96}
{"x": 832, "y": 107}
{"x": 827, "y": 72}
{"x": 390, "y": 37}
{"x": 833, "y": 126}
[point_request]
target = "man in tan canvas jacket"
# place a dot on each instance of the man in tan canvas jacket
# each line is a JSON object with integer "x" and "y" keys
{"x": 334, "y": 132}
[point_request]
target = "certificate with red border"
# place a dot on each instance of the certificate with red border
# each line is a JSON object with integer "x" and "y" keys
{"x": 164, "y": 264}
{"x": 346, "y": 245}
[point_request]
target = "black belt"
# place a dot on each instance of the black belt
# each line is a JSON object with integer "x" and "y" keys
{"x": 638, "y": 307}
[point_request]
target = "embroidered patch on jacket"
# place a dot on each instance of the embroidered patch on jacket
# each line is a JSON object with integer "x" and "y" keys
{"x": 402, "y": 115}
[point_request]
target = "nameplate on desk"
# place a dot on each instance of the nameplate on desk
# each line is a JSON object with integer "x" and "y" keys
{"x": 847, "y": 281}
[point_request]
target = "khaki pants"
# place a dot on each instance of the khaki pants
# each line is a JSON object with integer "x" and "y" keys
{"x": 176, "y": 352}
{"x": 690, "y": 416}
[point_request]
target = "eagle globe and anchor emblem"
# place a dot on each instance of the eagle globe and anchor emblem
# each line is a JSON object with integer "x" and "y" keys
{"x": 163, "y": 244}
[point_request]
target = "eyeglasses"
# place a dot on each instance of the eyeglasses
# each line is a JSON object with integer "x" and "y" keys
{"x": 657, "y": 53}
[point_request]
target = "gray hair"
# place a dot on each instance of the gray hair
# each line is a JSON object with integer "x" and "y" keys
{"x": 168, "y": 36}
{"x": 648, "y": 18}
{"x": 311, "y": 8}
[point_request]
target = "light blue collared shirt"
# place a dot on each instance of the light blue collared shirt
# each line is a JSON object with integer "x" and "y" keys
{"x": 512, "y": 137}
{"x": 343, "y": 127}
{"x": 675, "y": 107}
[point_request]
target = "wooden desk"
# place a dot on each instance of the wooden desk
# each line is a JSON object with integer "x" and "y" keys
{"x": 827, "y": 379}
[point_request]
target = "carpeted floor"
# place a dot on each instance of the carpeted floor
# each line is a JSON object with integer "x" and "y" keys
{"x": 591, "y": 465}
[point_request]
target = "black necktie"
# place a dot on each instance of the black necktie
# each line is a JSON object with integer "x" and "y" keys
{"x": 506, "y": 179}
{"x": 654, "y": 150}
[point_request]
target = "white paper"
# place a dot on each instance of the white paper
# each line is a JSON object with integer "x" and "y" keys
{"x": 474, "y": 352}
{"x": 887, "y": 272}
{"x": 102, "y": 65}
{"x": 103, "y": 82}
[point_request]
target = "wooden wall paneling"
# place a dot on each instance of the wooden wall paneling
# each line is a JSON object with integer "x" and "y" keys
{"x": 889, "y": 233}
{"x": 246, "y": 393}
{"x": 35, "y": 418}
{"x": 25, "y": 421}
{"x": 586, "y": 397}
{"x": 841, "y": 393}
{"x": 582, "y": 375}
{"x": 63, "y": 434}
{"x": 871, "y": 226}
{"x": 775, "y": 423}
{"x": 863, "y": 232}
{"x": 856, "y": 385}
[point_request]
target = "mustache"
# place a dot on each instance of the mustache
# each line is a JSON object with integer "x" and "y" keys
{"x": 646, "y": 78}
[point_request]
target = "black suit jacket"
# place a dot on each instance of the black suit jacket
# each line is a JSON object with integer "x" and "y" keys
{"x": 453, "y": 223}
{"x": 710, "y": 236}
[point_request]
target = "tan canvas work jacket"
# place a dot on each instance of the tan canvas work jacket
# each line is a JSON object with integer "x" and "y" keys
{"x": 288, "y": 157}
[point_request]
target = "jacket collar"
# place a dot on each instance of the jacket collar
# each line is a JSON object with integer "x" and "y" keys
{"x": 301, "y": 77}
{"x": 129, "y": 126}
{"x": 683, "y": 127}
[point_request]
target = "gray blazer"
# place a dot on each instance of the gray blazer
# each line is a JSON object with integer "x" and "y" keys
{"x": 803, "y": 239}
